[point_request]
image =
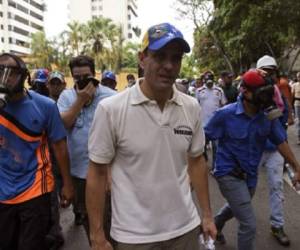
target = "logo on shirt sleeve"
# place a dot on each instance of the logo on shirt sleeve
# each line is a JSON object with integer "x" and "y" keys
{"x": 183, "y": 130}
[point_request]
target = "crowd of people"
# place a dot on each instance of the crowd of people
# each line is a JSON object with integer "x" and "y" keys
{"x": 128, "y": 162}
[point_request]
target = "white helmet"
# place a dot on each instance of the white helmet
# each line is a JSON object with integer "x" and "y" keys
{"x": 266, "y": 62}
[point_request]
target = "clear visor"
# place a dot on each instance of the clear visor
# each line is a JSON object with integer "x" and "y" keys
{"x": 9, "y": 76}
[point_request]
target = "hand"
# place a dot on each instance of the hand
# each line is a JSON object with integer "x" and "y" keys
{"x": 290, "y": 121}
{"x": 209, "y": 228}
{"x": 67, "y": 194}
{"x": 100, "y": 243}
{"x": 87, "y": 93}
{"x": 296, "y": 180}
{"x": 262, "y": 72}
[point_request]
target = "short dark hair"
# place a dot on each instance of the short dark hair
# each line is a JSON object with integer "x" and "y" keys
{"x": 82, "y": 60}
{"x": 130, "y": 76}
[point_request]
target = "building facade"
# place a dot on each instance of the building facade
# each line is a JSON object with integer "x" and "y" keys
{"x": 122, "y": 12}
{"x": 19, "y": 19}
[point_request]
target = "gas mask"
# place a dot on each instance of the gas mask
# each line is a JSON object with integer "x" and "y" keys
{"x": 11, "y": 82}
{"x": 83, "y": 81}
{"x": 263, "y": 99}
{"x": 208, "y": 80}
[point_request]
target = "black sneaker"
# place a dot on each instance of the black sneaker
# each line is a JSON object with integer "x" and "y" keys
{"x": 79, "y": 219}
{"x": 54, "y": 242}
{"x": 220, "y": 238}
{"x": 280, "y": 236}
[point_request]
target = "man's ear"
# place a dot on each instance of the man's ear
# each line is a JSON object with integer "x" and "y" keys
{"x": 142, "y": 56}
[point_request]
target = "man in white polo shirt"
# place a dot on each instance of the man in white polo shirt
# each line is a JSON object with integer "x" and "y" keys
{"x": 149, "y": 134}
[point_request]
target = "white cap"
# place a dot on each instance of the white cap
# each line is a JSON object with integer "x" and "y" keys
{"x": 266, "y": 62}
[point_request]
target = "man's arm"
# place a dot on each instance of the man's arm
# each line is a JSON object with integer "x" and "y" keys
{"x": 285, "y": 150}
{"x": 96, "y": 185}
{"x": 83, "y": 96}
{"x": 62, "y": 157}
{"x": 198, "y": 172}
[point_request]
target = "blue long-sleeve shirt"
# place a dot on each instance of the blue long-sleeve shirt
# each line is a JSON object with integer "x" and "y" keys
{"x": 241, "y": 139}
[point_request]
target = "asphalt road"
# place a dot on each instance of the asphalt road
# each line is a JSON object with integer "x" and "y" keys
{"x": 75, "y": 237}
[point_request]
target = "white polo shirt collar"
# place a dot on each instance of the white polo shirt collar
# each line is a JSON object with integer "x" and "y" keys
{"x": 138, "y": 97}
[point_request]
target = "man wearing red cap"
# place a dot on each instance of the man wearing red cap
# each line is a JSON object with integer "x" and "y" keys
{"x": 242, "y": 129}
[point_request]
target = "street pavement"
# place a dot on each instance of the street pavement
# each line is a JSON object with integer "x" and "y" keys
{"x": 75, "y": 237}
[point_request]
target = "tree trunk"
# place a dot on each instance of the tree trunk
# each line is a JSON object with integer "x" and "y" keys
{"x": 294, "y": 61}
{"x": 222, "y": 51}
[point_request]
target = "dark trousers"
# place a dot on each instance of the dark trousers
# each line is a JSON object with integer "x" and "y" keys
{"x": 188, "y": 241}
{"x": 24, "y": 226}
{"x": 79, "y": 207}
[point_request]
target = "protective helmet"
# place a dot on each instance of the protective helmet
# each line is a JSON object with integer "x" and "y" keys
{"x": 108, "y": 75}
{"x": 253, "y": 79}
{"x": 41, "y": 76}
{"x": 266, "y": 62}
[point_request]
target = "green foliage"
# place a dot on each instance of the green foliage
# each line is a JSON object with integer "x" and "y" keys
{"x": 42, "y": 51}
{"x": 100, "y": 38}
{"x": 237, "y": 33}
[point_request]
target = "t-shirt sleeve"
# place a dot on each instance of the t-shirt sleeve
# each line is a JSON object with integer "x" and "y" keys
{"x": 102, "y": 139}
{"x": 198, "y": 138}
{"x": 223, "y": 98}
{"x": 278, "y": 133}
{"x": 63, "y": 102}
{"x": 215, "y": 128}
{"x": 55, "y": 127}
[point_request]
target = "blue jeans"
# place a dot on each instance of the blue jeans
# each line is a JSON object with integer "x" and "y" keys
{"x": 297, "y": 114}
{"x": 238, "y": 196}
{"x": 273, "y": 161}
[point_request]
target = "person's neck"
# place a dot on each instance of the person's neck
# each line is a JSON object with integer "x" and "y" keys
{"x": 18, "y": 96}
{"x": 54, "y": 98}
{"x": 249, "y": 108}
{"x": 161, "y": 97}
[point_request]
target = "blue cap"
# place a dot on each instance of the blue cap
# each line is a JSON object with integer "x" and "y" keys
{"x": 41, "y": 75}
{"x": 109, "y": 75}
{"x": 159, "y": 35}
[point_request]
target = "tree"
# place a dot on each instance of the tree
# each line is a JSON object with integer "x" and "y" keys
{"x": 130, "y": 57}
{"x": 242, "y": 31}
{"x": 41, "y": 51}
{"x": 100, "y": 38}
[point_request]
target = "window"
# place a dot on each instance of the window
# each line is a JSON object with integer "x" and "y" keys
{"x": 36, "y": 26}
{"x": 2, "y": 27}
{"x": 37, "y": 16}
{"x": 21, "y": 8}
{"x": 1, "y": 14}
{"x": 129, "y": 17}
{"x": 2, "y": 39}
{"x": 129, "y": 35}
{"x": 37, "y": 5}
{"x": 129, "y": 26}
{"x": 21, "y": 20}
{"x": 10, "y": 40}
{"x": 12, "y": 4}
{"x": 21, "y": 31}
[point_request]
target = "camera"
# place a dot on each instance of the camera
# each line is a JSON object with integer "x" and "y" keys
{"x": 82, "y": 82}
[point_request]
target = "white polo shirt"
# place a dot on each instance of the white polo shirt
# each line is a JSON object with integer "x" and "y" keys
{"x": 296, "y": 93}
{"x": 148, "y": 149}
{"x": 210, "y": 99}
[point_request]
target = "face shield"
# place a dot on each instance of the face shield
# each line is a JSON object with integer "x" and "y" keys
{"x": 10, "y": 82}
{"x": 10, "y": 79}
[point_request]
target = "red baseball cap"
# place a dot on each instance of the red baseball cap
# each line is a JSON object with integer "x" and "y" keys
{"x": 253, "y": 79}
